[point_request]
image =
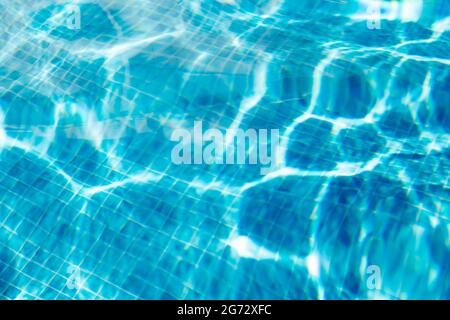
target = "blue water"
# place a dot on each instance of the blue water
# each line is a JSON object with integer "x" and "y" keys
{"x": 92, "y": 207}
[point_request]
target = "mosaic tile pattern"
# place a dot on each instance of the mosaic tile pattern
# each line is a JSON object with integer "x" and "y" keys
{"x": 92, "y": 207}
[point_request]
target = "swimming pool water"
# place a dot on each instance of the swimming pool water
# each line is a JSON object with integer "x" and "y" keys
{"x": 93, "y": 207}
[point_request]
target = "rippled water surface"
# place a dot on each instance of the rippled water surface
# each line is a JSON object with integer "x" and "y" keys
{"x": 92, "y": 207}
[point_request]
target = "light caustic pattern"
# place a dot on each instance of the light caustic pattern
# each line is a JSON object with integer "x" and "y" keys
{"x": 91, "y": 206}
